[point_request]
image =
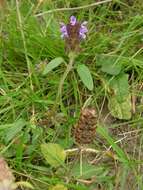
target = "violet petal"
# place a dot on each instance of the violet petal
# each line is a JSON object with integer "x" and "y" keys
{"x": 72, "y": 20}
{"x": 82, "y": 35}
{"x": 63, "y": 28}
{"x": 64, "y": 35}
{"x": 83, "y": 29}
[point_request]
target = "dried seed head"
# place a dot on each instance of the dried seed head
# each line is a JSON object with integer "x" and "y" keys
{"x": 84, "y": 130}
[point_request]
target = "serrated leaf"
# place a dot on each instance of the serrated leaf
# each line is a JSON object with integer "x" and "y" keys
{"x": 53, "y": 64}
{"x": 58, "y": 187}
{"x": 85, "y": 76}
{"x": 109, "y": 64}
{"x": 54, "y": 154}
{"x": 120, "y": 110}
{"x": 120, "y": 86}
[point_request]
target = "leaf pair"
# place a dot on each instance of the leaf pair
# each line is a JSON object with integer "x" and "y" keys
{"x": 82, "y": 70}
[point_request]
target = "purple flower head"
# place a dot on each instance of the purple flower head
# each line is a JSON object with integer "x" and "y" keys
{"x": 73, "y": 32}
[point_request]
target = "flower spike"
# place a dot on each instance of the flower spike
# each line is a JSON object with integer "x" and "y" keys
{"x": 73, "y": 33}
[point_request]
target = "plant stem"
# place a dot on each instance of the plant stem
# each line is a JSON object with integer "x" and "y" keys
{"x": 68, "y": 69}
{"x": 26, "y": 53}
{"x": 86, "y": 150}
{"x": 74, "y": 8}
{"x": 81, "y": 162}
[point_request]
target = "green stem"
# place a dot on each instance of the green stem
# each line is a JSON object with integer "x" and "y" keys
{"x": 81, "y": 169}
{"x": 68, "y": 69}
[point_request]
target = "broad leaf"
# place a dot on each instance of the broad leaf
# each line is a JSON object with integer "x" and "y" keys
{"x": 88, "y": 170}
{"x": 85, "y": 76}
{"x": 102, "y": 59}
{"x": 120, "y": 110}
{"x": 112, "y": 68}
{"x": 53, "y": 64}
{"x": 54, "y": 154}
{"x": 15, "y": 128}
{"x": 58, "y": 187}
{"x": 109, "y": 64}
{"x": 120, "y": 87}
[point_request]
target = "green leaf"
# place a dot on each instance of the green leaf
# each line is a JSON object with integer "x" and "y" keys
{"x": 120, "y": 110}
{"x": 54, "y": 154}
{"x": 85, "y": 76}
{"x": 112, "y": 69}
{"x": 121, "y": 155}
{"x": 119, "y": 102}
{"x": 109, "y": 64}
{"x": 120, "y": 87}
{"x": 58, "y": 187}
{"x": 15, "y": 128}
{"x": 53, "y": 64}
{"x": 101, "y": 59}
{"x": 25, "y": 184}
{"x": 88, "y": 170}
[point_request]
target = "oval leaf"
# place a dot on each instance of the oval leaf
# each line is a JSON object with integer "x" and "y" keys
{"x": 85, "y": 76}
{"x": 14, "y": 129}
{"x": 120, "y": 87}
{"x": 58, "y": 187}
{"x": 112, "y": 69}
{"x": 88, "y": 170}
{"x": 54, "y": 154}
{"x": 109, "y": 64}
{"x": 53, "y": 64}
{"x": 120, "y": 110}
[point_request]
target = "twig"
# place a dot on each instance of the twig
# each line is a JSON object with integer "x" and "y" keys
{"x": 87, "y": 182}
{"x": 74, "y": 8}
{"x": 37, "y": 6}
{"x": 91, "y": 150}
{"x": 86, "y": 150}
{"x": 129, "y": 132}
{"x": 119, "y": 140}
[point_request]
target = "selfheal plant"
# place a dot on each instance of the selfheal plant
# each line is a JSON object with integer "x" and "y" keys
{"x": 73, "y": 33}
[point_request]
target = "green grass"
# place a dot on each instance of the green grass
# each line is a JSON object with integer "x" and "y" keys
{"x": 112, "y": 51}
